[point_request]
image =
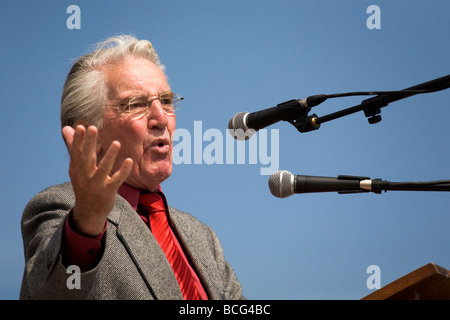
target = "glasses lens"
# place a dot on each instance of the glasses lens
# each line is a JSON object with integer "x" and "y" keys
{"x": 170, "y": 102}
{"x": 176, "y": 99}
{"x": 136, "y": 106}
{"x": 139, "y": 106}
{"x": 166, "y": 98}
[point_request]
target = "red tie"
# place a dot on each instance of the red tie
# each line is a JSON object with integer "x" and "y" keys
{"x": 154, "y": 205}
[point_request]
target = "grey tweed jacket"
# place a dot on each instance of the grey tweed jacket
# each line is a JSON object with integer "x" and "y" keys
{"x": 132, "y": 265}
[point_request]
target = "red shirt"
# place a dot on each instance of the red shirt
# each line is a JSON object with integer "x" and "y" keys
{"x": 84, "y": 251}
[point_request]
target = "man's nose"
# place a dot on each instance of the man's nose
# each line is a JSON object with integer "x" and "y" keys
{"x": 157, "y": 116}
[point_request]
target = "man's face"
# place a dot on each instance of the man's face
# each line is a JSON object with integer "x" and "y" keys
{"x": 146, "y": 139}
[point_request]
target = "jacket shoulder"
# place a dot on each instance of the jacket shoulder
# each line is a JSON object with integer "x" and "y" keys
{"x": 59, "y": 192}
{"x": 52, "y": 203}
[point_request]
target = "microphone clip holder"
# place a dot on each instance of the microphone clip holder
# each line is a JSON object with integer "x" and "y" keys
{"x": 296, "y": 113}
{"x": 305, "y": 123}
{"x": 352, "y": 178}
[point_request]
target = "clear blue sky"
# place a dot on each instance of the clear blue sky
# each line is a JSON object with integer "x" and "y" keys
{"x": 230, "y": 56}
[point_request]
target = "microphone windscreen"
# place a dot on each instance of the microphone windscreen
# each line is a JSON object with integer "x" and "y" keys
{"x": 281, "y": 184}
{"x": 237, "y": 127}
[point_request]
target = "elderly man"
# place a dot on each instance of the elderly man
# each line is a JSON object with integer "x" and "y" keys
{"x": 112, "y": 222}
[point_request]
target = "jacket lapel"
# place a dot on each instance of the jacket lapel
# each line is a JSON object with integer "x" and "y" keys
{"x": 145, "y": 252}
{"x": 197, "y": 251}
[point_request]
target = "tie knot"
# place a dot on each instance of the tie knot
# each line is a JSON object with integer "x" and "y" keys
{"x": 152, "y": 202}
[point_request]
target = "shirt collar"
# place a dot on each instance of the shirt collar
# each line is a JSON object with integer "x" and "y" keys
{"x": 131, "y": 194}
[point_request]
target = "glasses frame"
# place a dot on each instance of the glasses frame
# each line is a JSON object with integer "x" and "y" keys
{"x": 174, "y": 97}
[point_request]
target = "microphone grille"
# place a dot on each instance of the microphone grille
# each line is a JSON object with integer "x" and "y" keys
{"x": 238, "y": 128}
{"x": 237, "y": 122}
{"x": 281, "y": 184}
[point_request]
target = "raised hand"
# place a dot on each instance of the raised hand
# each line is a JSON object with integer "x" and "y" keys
{"x": 95, "y": 186}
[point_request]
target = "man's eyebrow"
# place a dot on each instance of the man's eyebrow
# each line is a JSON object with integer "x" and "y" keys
{"x": 129, "y": 97}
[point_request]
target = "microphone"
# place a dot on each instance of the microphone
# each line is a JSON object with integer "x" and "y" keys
{"x": 243, "y": 124}
{"x": 283, "y": 184}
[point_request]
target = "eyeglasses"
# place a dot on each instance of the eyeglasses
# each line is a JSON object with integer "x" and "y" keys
{"x": 139, "y": 106}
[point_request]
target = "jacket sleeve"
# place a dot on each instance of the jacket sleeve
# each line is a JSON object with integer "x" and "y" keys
{"x": 46, "y": 275}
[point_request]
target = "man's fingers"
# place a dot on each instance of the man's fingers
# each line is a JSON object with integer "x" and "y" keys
{"x": 122, "y": 174}
{"x": 89, "y": 155}
{"x": 90, "y": 139}
{"x": 77, "y": 141}
{"x": 82, "y": 145}
{"x": 75, "y": 149}
{"x": 68, "y": 133}
{"x": 106, "y": 164}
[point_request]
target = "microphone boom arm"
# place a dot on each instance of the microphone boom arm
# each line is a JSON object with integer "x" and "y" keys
{"x": 372, "y": 106}
{"x": 379, "y": 185}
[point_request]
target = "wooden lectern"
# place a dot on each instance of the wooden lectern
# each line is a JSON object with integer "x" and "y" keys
{"x": 430, "y": 282}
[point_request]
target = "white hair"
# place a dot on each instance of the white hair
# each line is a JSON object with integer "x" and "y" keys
{"x": 84, "y": 94}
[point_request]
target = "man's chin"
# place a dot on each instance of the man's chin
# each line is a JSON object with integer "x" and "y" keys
{"x": 150, "y": 179}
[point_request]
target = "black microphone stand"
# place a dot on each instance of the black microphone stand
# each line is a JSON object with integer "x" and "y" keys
{"x": 372, "y": 109}
{"x": 379, "y": 185}
{"x": 372, "y": 106}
